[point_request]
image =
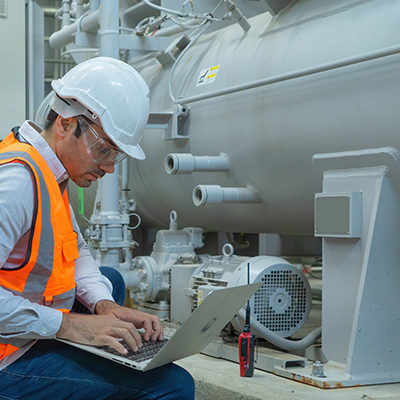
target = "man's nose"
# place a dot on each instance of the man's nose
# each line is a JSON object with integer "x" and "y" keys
{"x": 109, "y": 167}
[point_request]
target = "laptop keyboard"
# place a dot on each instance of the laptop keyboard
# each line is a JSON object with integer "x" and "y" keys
{"x": 146, "y": 352}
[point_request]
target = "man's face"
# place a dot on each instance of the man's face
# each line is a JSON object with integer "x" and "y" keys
{"x": 83, "y": 156}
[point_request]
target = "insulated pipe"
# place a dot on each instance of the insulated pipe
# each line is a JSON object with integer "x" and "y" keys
{"x": 64, "y": 36}
{"x": 272, "y": 337}
{"x": 215, "y": 194}
{"x": 109, "y": 28}
{"x": 108, "y": 32}
{"x": 109, "y": 185}
{"x": 178, "y": 163}
{"x": 294, "y": 75}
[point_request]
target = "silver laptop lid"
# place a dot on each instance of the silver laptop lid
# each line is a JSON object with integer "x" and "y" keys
{"x": 216, "y": 310}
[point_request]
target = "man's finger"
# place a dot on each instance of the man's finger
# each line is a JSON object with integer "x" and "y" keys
{"x": 115, "y": 344}
{"x": 130, "y": 335}
{"x": 158, "y": 331}
{"x": 148, "y": 327}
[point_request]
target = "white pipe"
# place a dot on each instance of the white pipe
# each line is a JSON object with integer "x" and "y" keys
{"x": 109, "y": 28}
{"x": 135, "y": 9}
{"x": 272, "y": 337}
{"x": 125, "y": 178}
{"x": 94, "y": 5}
{"x": 109, "y": 187}
{"x": 126, "y": 265}
{"x": 131, "y": 280}
{"x": 109, "y": 198}
{"x": 64, "y": 36}
{"x": 165, "y": 10}
{"x": 108, "y": 32}
{"x": 109, "y": 258}
{"x": 31, "y": 58}
{"x": 109, "y": 23}
{"x": 215, "y": 194}
{"x": 169, "y": 31}
{"x": 176, "y": 163}
{"x": 66, "y": 16}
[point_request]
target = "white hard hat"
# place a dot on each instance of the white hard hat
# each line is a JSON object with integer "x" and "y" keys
{"x": 110, "y": 93}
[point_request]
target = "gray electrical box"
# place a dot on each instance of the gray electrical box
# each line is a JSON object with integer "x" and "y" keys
{"x": 338, "y": 215}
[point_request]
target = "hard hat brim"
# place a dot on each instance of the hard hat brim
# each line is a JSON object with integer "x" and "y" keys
{"x": 133, "y": 151}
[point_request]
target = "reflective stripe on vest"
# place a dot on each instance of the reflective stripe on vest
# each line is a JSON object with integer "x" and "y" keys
{"x": 47, "y": 275}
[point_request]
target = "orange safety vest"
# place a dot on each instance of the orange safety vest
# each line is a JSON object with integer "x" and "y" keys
{"x": 47, "y": 275}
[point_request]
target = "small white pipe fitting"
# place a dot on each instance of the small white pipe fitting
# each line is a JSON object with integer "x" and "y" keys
{"x": 215, "y": 194}
{"x": 238, "y": 15}
{"x": 177, "y": 163}
{"x": 66, "y": 16}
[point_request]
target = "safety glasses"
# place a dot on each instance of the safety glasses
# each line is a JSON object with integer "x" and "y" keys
{"x": 101, "y": 151}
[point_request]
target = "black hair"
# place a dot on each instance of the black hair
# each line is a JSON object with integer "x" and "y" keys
{"x": 52, "y": 116}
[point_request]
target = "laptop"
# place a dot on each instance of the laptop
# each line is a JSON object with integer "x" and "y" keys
{"x": 206, "y": 321}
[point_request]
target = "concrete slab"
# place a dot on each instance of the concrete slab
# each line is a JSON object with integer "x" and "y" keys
{"x": 219, "y": 379}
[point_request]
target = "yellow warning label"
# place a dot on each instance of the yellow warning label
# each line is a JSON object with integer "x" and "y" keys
{"x": 207, "y": 75}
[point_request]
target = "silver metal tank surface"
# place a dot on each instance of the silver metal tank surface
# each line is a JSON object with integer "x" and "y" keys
{"x": 271, "y": 132}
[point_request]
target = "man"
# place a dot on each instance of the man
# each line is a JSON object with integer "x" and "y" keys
{"x": 99, "y": 111}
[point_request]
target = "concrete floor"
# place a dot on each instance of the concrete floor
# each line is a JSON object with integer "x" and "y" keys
{"x": 219, "y": 379}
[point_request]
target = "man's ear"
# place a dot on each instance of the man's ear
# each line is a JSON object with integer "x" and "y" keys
{"x": 65, "y": 126}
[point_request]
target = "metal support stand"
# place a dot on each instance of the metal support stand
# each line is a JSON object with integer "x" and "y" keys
{"x": 358, "y": 217}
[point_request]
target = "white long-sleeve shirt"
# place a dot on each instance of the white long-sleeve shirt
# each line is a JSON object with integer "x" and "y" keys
{"x": 18, "y": 316}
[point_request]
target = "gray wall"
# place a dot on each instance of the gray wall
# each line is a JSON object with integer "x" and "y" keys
{"x": 12, "y": 67}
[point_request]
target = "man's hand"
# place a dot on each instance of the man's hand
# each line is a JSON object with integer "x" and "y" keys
{"x": 113, "y": 322}
{"x": 150, "y": 323}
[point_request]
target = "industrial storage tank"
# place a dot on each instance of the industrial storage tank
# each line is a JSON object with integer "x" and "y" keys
{"x": 321, "y": 76}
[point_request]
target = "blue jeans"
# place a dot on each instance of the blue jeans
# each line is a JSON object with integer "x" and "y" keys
{"x": 53, "y": 370}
